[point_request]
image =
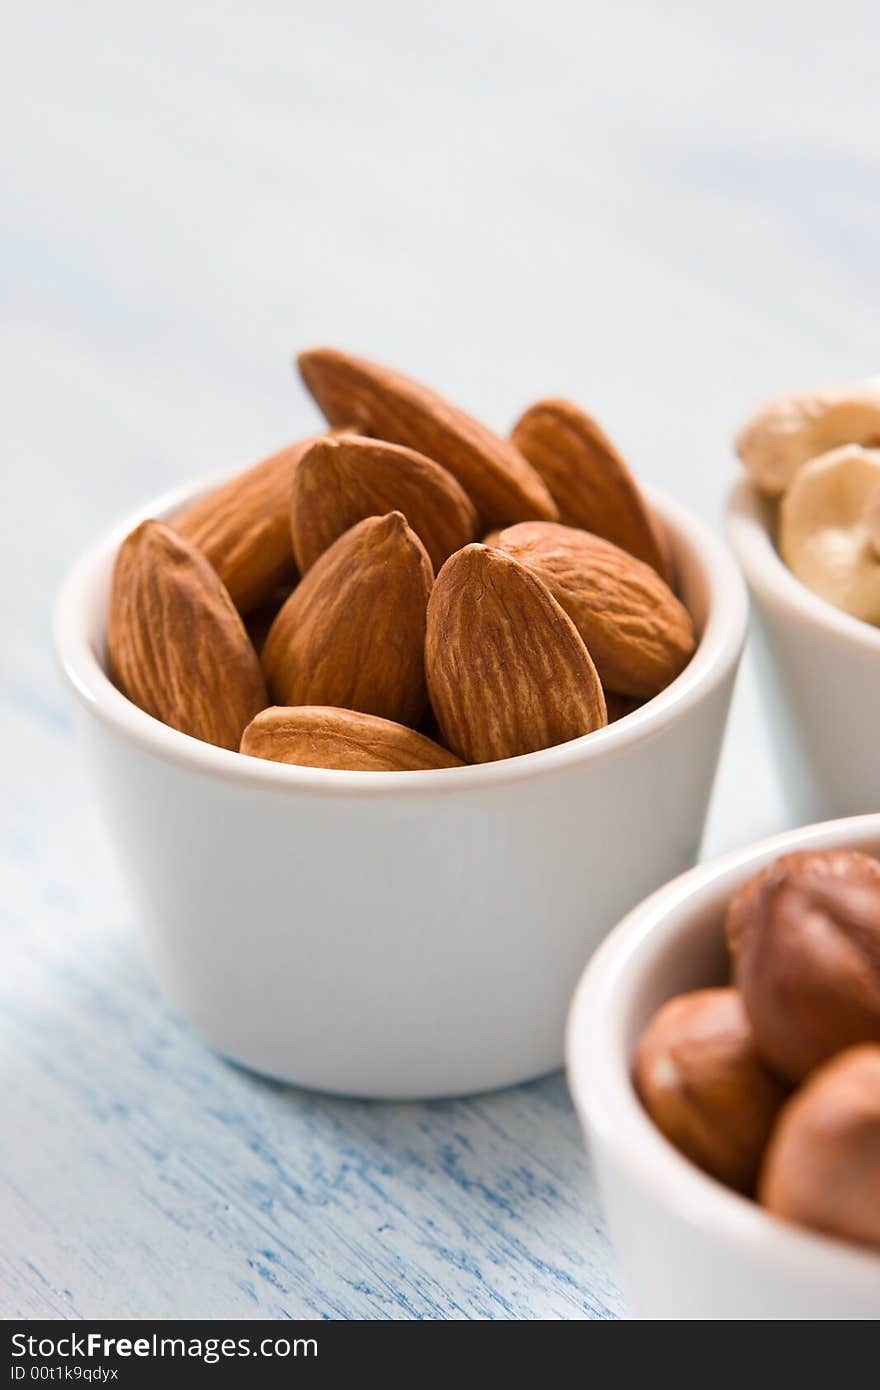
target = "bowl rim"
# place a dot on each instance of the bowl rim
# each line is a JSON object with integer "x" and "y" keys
{"x": 599, "y": 1074}
{"x": 749, "y": 530}
{"x": 718, "y": 650}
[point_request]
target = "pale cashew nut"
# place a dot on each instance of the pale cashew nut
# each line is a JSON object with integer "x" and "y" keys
{"x": 828, "y": 529}
{"x": 789, "y": 430}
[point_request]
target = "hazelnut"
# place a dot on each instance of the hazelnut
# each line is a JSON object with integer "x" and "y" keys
{"x": 822, "y": 1167}
{"x": 805, "y": 939}
{"x": 701, "y": 1080}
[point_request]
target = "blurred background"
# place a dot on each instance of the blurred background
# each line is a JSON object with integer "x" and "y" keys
{"x": 665, "y": 211}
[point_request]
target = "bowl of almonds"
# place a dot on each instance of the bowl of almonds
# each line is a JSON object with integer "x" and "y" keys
{"x": 390, "y": 727}
{"x": 804, "y": 523}
{"x": 724, "y": 1057}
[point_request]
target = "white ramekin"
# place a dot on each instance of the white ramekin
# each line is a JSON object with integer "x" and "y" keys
{"x": 820, "y": 670}
{"x": 688, "y": 1247}
{"x": 398, "y": 934}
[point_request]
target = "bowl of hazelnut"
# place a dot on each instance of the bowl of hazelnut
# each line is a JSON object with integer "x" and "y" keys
{"x": 804, "y": 523}
{"x": 723, "y": 1055}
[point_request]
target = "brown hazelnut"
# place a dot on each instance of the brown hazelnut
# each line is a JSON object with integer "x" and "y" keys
{"x": 822, "y": 1166}
{"x": 805, "y": 939}
{"x": 701, "y": 1080}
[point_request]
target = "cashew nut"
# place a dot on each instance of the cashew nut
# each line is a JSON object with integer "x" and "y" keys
{"x": 789, "y": 430}
{"x": 829, "y": 529}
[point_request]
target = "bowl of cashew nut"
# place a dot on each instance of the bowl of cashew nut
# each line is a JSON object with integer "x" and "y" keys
{"x": 804, "y": 523}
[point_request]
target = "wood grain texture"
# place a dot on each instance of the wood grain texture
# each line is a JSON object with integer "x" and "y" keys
{"x": 161, "y": 260}
{"x": 141, "y": 1176}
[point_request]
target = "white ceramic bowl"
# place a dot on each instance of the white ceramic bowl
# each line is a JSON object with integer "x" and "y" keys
{"x": 409, "y": 933}
{"x": 688, "y": 1247}
{"x": 820, "y": 669}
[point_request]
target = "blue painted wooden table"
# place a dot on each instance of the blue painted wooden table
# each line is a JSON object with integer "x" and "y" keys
{"x": 662, "y": 213}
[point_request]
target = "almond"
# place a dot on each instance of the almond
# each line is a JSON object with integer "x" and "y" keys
{"x": 177, "y": 646}
{"x": 320, "y": 736}
{"x": 243, "y": 527}
{"x": 378, "y": 401}
{"x": 341, "y": 480}
{"x": 637, "y": 632}
{"x": 352, "y": 633}
{"x": 590, "y": 482}
{"x": 507, "y": 671}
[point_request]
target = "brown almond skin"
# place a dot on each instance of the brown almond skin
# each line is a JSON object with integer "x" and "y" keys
{"x": 507, "y": 671}
{"x": 637, "y": 632}
{"x": 804, "y": 935}
{"x": 243, "y": 527}
{"x": 177, "y": 645}
{"x": 342, "y": 479}
{"x": 378, "y": 401}
{"x": 702, "y": 1081}
{"x": 320, "y": 736}
{"x": 822, "y": 1166}
{"x": 589, "y": 480}
{"x": 352, "y": 633}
